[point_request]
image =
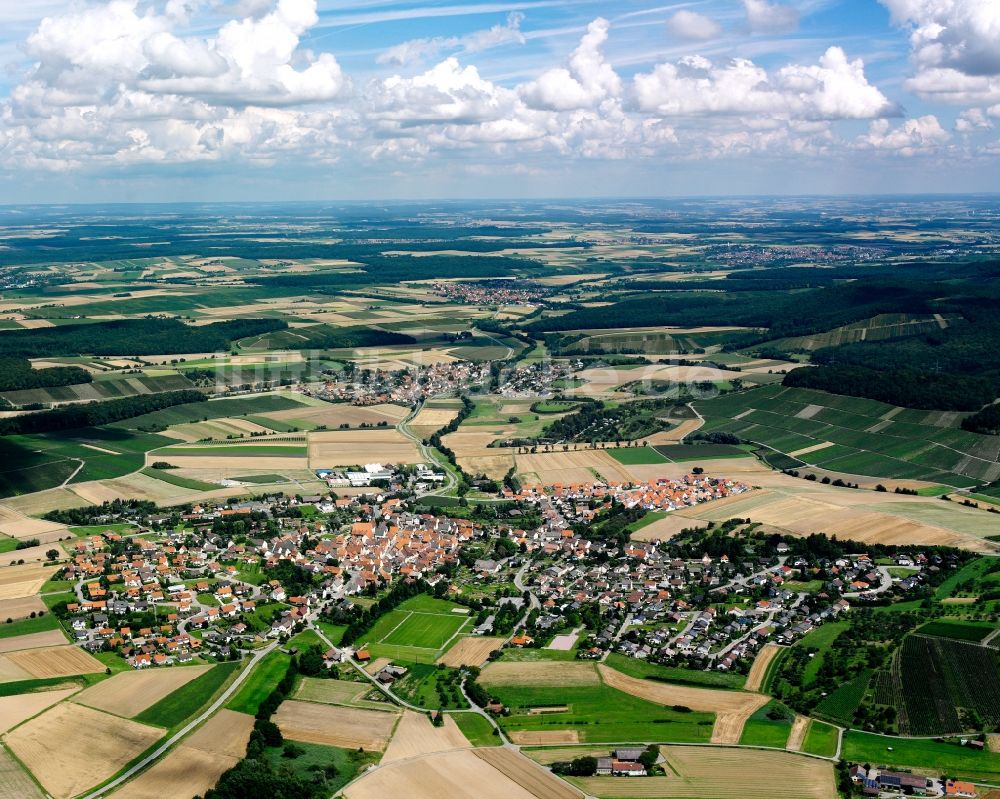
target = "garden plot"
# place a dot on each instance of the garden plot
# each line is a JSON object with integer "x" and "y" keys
{"x": 129, "y": 693}
{"x": 333, "y": 725}
{"x": 71, "y": 748}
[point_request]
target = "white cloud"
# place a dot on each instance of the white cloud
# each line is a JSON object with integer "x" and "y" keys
{"x": 912, "y": 137}
{"x": 833, "y": 89}
{"x": 971, "y": 120}
{"x": 477, "y": 41}
{"x": 693, "y": 26}
{"x": 587, "y": 81}
{"x": 770, "y": 17}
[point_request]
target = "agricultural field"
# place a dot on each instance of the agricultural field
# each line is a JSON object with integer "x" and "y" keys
{"x": 71, "y": 748}
{"x": 337, "y": 692}
{"x": 348, "y": 448}
{"x": 131, "y": 692}
{"x": 925, "y": 755}
{"x": 723, "y": 774}
{"x": 335, "y": 725}
{"x": 415, "y": 736}
{"x": 865, "y": 437}
{"x": 470, "y": 651}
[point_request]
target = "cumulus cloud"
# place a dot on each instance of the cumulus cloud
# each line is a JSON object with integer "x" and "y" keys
{"x": 835, "y": 88}
{"x": 912, "y": 137}
{"x": 477, "y": 41}
{"x": 693, "y": 26}
{"x": 587, "y": 81}
{"x": 770, "y": 17}
{"x": 971, "y": 120}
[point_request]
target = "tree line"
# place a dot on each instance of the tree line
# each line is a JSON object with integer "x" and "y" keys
{"x": 17, "y": 374}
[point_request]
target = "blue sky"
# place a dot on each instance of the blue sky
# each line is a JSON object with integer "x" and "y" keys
{"x": 312, "y": 99}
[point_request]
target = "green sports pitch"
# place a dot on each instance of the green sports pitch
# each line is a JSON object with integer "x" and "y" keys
{"x": 418, "y": 631}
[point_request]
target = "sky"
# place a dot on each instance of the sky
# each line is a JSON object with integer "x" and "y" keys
{"x": 204, "y": 100}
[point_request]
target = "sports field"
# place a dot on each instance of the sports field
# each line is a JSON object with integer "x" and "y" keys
{"x": 419, "y": 630}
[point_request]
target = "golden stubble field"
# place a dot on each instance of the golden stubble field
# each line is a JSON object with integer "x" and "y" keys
{"x": 196, "y": 765}
{"x": 357, "y": 447}
{"x": 333, "y": 725}
{"x": 575, "y": 466}
{"x": 541, "y": 674}
{"x": 723, "y": 773}
{"x": 45, "y": 662}
{"x": 18, "y": 582}
{"x": 755, "y": 679}
{"x": 131, "y": 692}
{"x": 472, "y": 650}
{"x": 19, "y": 708}
{"x": 415, "y": 736}
{"x": 70, "y": 748}
{"x": 494, "y": 773}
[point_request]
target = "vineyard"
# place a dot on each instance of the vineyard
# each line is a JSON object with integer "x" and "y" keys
{"x": 841, "y": 704}
{"x": 948, "y": 686}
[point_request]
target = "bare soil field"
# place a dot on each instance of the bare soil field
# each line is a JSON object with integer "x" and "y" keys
{"x": 544, "y": 737}
{"x": 755, "y": 679}
{"x": 17, "y": 582}
{"x": 732, "y": 708}
{"x": 722, "y": 773}
{"x": 349, "y": 447}
{"x": 798, "y": 734}
{"x": 196, "y": 765}
{"x": 454, "y": 775}
{"x": 16, "y": 709}
{"x": 472, "y": 650}
{"x": 32, "y": 641}
{"x": 22, "y": 608}
{"x": 578, "y": 466}
{"x": 14, "y": 780}
{"x": 540, "y": 673}
{"x": 415, "y": 736}
{"x": 129, "y": 693}
{"x": 57, "y": 661}
{"x": 71, "y": 748}
{"x": 333, "y": 725}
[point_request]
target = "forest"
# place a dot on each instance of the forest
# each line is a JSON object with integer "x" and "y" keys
{"x": 132, "y": 337}
{"x": 17, "y": 374}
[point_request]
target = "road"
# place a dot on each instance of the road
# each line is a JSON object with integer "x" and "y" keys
{"x": 161, "y": 750}
{"x": 425, "y": 452}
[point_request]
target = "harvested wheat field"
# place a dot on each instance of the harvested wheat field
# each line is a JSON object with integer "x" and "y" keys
{"x": 131, "y": 692}
{"x": 342, "y": 413}
{"x": 464, "y": 774}
{"x": 17, "y": 582}
{"x": 580, "y": 466}
{"x": 14, "y": 780}
{"x": 196, "y": 765}
{"x": 430, "y": 420}
{"x": 493, "y": 462}
{"x": 415, "y": 735}
{"x": 32, "y": 641}
{"x": 470, "y": 651}
{"x": 71, "y": 748}
{"x": 15, "y": 709}
{"x": 226, "y": 464}
{"x": 540, "y": 673}
{"x": 334, "y": 725}
{"x": 350, "y": 447}
{"x": 17, "y": 525}
{"x": 798, "y": 734}
{"x": 755, "y": 679}
{"x": 22, "y": 607}
{"x": 664, "y": 529}
{"x": 57, "y": 661}
{"x": 732, "y": 708}
{"x": 544, "y": 737}
{"x": 993, "y": 742}
{"x": 720, "y": 773}
{"x": 40, "y": 552}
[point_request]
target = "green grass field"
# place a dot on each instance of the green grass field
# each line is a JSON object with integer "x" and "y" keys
{"x": 27, "y": 626}
{"x": 701, "y": 452}
{"x": 974, "y": 631}
{"x": 260, "y": 683}
{"x": 166, "y": 476}
{"x": 187, "y": 700}
{"x": 939, "y": 757}
{"x": 820, "y": 639}
{"x": 821, "y": 739}
{"x": 601, "y": 714}
{"x": 417, "y": 630}
{"x": 477, "y": 729}
{"x": 636, "y": 455}
{"x": 769, "y": 726}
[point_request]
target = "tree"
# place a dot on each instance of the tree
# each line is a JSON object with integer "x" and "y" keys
{"x": 52, "y": 554}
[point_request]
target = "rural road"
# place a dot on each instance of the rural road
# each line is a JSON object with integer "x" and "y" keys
{"x": 425, "y": 452}
{"x": 189, "y": 727}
